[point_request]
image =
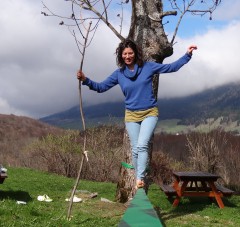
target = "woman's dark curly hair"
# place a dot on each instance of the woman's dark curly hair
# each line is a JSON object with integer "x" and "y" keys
{"x": 128, "y": 43}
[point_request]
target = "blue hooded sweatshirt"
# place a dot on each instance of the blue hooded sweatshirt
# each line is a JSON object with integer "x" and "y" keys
{"x": 136, "y": 85}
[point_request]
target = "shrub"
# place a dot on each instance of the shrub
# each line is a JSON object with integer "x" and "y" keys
{"x": 216, "y": 152}
{"x": 104, "y": 145}
{"x": 62, "y": 154}
{"x": 206, "y": 149}
{"x": 160, "y": 170}
{"x": 55, "y": 153}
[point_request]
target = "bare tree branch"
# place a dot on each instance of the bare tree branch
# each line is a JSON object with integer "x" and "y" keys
{"x": 102, "y": 18}
{"x": 177, "y": 26}
{"x": 161, "y": 16}
{"x": 84, "y": 127}
{"x": 87, "y": 6}
{"x": 186, "y": 7}
{"x": 105, "y": 10}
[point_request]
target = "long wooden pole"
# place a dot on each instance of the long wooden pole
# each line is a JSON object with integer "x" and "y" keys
{"x": 84, "y": 129}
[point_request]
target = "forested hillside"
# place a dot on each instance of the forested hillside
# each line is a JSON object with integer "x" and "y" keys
{"x": 18, "y": 131}
{"x": 221, "y": 102}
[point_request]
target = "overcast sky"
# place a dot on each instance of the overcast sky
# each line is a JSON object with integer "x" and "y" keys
{"x": 39, "y": 58}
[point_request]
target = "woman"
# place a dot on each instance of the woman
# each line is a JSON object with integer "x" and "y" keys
{"x": 135, "y": 79}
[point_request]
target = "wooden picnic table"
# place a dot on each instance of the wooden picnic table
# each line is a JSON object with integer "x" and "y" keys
{"x": 196, "y": 184}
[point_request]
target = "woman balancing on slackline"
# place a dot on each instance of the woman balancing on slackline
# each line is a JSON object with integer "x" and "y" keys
{"x": 135, "y": 79}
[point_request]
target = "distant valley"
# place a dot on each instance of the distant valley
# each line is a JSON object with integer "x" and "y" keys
{"x": 218, "y": 107}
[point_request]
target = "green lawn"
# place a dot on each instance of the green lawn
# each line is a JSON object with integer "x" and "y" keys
{"x": 25, "y": 185}
{"x": 171, "y": 126}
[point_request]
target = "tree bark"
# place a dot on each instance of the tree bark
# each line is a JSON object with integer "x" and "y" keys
{"x": 150, "y": 36}
{"x": 126, "y": 184}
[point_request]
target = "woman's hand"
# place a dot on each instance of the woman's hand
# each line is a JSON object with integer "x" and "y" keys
{"x": 191, "y": 48}
{"x": 81, "y": 76}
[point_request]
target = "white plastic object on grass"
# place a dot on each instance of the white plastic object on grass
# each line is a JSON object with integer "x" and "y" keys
{"x": 45, "y": 198}
{"x": 75, "y": 199}
{"x": 21, "y": 202}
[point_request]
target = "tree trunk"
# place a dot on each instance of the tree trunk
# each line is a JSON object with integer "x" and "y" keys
{"x": 126, "y": 183}
{"x": 150, "y": 36}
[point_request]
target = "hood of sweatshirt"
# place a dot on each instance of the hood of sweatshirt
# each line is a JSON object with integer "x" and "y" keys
{"x": 132, "y": 74}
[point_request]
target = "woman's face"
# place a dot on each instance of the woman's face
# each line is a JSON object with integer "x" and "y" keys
{"x": 128, "y": 56}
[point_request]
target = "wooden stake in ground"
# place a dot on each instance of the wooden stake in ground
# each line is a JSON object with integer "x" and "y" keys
{"x": 84, "y": 154}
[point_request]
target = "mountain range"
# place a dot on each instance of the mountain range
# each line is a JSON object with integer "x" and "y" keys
{"x": 222, "y": 101}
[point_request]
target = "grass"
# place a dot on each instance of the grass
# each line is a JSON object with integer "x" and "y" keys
{"x": 26, "y": 184}
{"x": 195, "y": 212}
{"x": 171, "y": 126}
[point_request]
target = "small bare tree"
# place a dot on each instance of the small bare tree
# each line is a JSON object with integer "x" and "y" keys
{"x": 206, "y": 150}
{"x": 231, "y": 167}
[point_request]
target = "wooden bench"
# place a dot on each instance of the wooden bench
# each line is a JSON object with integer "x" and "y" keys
{"x": 3, "y": 176}
{"x": 225, "y": 191}
{"x": 168, "y": 190}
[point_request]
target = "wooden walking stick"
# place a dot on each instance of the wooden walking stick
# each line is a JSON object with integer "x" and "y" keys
{"x": 84, "y": 154}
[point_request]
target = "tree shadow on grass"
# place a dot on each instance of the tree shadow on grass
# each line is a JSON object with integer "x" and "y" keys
{"x": 15, "y": 195}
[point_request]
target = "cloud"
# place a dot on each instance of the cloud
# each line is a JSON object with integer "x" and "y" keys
{"x": 33, "y": 59}
{"x": 214, "y": 63}
{"x": 228, "y": 10}
{"x": 6, "y": 109}
{"x": 39, "y": 60}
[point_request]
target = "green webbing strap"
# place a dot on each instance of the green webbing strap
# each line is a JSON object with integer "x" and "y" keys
{"x": 126, "y": 165}
{"x": 140, "y": 213}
